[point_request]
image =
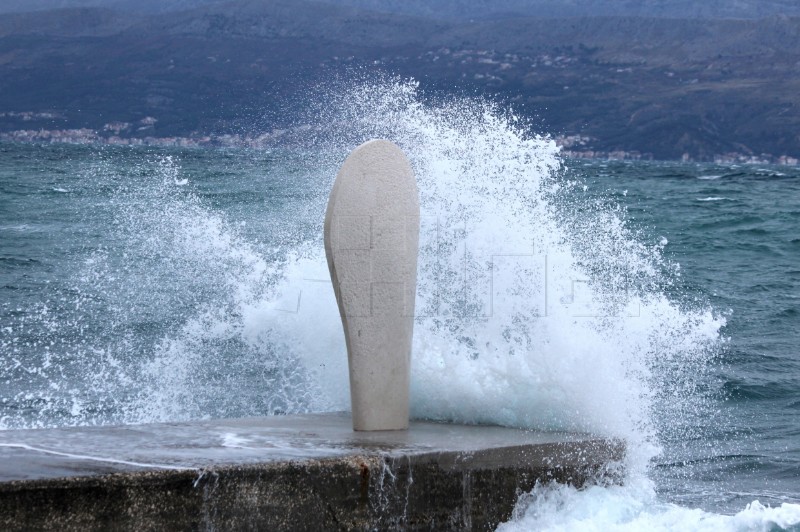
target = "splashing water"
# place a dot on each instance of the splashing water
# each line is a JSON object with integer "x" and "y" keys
{"x": 537, "y": 305}
{"x": 151, "y": 314}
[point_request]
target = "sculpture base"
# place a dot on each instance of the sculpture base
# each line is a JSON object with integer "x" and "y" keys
{"x": 284, "y": 472}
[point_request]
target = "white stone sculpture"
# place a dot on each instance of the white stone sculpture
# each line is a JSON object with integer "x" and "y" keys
{"x": 372, "y": 242}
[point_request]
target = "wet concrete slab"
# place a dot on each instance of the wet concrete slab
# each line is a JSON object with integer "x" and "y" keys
{"x": 285, "y": 472}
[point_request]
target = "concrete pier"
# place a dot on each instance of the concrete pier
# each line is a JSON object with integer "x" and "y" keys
{"x": 310, "y": 472}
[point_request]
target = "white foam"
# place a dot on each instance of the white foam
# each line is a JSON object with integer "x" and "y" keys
{"x": 234, "y": 441}
{"x": 635, "y": 508}
{"x": 524, "y": 317}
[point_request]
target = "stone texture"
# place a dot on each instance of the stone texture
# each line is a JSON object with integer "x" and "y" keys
{"x": 284, "y": 473}
{"x": 371, "y": 242}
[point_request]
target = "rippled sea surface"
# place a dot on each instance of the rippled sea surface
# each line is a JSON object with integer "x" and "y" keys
{"x": 735, "y": 231}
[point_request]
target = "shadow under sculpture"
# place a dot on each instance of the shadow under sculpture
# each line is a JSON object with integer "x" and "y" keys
{"x": 371, "y": 243}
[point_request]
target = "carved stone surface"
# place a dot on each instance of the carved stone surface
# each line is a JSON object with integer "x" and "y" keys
{"x": 371, "y": 242}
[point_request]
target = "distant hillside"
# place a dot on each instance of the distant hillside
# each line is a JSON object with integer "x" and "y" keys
{"x": 679, "y": 9}
{"x": 472, "y": 9}
{"x": 661, "y": 87}
{"x": 138, "y": 6}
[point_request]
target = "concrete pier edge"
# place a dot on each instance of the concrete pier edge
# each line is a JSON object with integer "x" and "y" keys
{"x": 464, "y": 478}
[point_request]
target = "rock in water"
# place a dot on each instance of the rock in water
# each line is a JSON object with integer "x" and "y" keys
{"x": 372, "y": 243}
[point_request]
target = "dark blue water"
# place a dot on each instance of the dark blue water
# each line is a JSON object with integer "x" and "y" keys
{"x": 120, "y": 269}
{"x": 734, "y": 230}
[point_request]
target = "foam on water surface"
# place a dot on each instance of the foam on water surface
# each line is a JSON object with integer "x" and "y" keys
{"x": 634, "y": 508}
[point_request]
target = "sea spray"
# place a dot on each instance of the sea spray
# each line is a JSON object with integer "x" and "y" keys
{"x": 537, "y": 305}
{"x": 212, "y": 348}
{"x": 148, "y": 325}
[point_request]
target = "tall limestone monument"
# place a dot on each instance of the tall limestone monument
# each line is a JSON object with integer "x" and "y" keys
{"x": 372, "y": 243}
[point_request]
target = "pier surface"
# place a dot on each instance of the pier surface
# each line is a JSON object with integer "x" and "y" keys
{"x": 284, "y": 472}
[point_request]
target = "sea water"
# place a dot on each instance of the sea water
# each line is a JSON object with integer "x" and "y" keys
{"x": 654, "y": 302}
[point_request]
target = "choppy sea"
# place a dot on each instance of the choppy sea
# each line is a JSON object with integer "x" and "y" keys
{"x": 657, "y": 302}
